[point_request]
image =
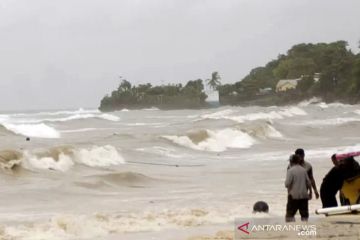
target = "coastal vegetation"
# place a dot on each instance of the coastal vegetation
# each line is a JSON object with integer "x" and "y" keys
{"x": 146, "y": 95}
{"x": 330, "y": 71}
{"x": 335, "y": 65}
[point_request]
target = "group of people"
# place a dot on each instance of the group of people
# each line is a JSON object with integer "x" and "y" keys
{"x": 300, "y": 183}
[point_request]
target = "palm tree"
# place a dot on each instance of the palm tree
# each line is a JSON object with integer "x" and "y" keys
{"x": 214, "y": 82}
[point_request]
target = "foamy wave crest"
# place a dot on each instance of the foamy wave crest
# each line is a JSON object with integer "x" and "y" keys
{"x": 167, "y": 152}
{"x": 218, "y": 115}
{"x": 263, "y": 131}
{"x": 328, "y": 122}
{"x": 357, "y": 112}
{"x": 104, "y": 116}
{"x": 288, "y": 112}
{"x": 99, "y": 156}
{"x": 309, "y": 102}
{"x": 62, "y": 162}
{"x": 33, "y": 130}
{"x": 63, "y": 158}
{"x": 214, "y": 141}
{"x": 100, "y": 226}
{"x": 229, "y": 114}
{"x": 56, "y": 113}
{"x": 10, "y": 159}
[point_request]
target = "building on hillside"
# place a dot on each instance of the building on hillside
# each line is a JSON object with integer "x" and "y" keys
{"x": 287, "y": 84}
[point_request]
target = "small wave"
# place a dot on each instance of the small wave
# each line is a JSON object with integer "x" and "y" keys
{"x": 218, "y": 115}
{"x": 151, "y": 109}
{"x": 262, "y": 131}
{"x": 56, "y": 113}
{"x": 328, "y": 122}
{"x": 214, "y": 141}
{"x": 229, "y": 114}
{"x": 123, "y": 178}
{"x": 167, "y": 152}
{"x": 33, "y": 130}
{"x": 323, "y": 105}
{"x": 313, "y": 100}
{"x": 104, "y": 116}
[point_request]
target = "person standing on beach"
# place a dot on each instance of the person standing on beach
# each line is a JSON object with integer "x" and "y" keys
{"x": 298, "y": 184}
{"x": 301, "y": 153}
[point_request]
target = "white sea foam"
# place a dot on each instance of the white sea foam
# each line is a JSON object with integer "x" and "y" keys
{"x": 163, "y": 151}
{"x": 99, "y": 156}
{"x": 40, "y": 130}
{"x": 56, "y": 113}
{"x": 218, "y": 115}
{"x": 99, "y": 226}
{"x": 32, "y": 161}
{"x": 271, "y": 132}
{"x": 280, "y": 114}
{"x": 62, "y": 159}
{"x": 327, "y": 122}
{"x": 309, "y": 102}
{"x": 217, "y": 141}
{"x": 288, "y": 112}
{"x": 104, "y": 116}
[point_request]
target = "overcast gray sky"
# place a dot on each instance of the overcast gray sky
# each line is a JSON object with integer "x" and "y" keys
{"x": 69, "y": 53}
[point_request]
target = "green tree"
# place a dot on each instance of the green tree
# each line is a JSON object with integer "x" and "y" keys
{"x": 215, "y": 81}
{"x": 125, "y": 86}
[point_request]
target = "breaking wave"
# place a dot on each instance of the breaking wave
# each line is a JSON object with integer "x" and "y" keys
{"x": 10, "y": 160}
{"x": 262, "y": 130}
{"x": 214, "y": 141}
{"x": 100, "y": 225}
{"x": 231, "y": 115}
{"x": 328, "y": 122}
{"x": 62, "y": 158}
{"x": 65, "y": 112}
{"x": 40, "y": 130}
{"x": 104, "y": 116}
{"x": 313, "y": 100}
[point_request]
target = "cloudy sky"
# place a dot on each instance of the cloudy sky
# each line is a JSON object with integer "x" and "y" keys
{"x": 69, "y": 53}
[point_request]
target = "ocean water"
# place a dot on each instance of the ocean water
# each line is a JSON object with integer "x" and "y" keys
{"x": 153, "y": 174}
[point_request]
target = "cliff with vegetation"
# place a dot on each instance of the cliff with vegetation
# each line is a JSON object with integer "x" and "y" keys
{"x": 338, "y": 69}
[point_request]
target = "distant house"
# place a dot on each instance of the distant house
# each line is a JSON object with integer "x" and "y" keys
{"x": 287, "y": 84}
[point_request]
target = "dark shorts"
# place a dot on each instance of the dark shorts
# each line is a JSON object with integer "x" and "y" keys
{"x": 293, "y": 205}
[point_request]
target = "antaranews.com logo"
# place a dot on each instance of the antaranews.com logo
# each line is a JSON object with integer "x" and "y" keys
{"x": 272, "y": 227}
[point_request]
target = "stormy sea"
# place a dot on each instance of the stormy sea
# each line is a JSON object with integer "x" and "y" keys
{"x": 154, "y": 174}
